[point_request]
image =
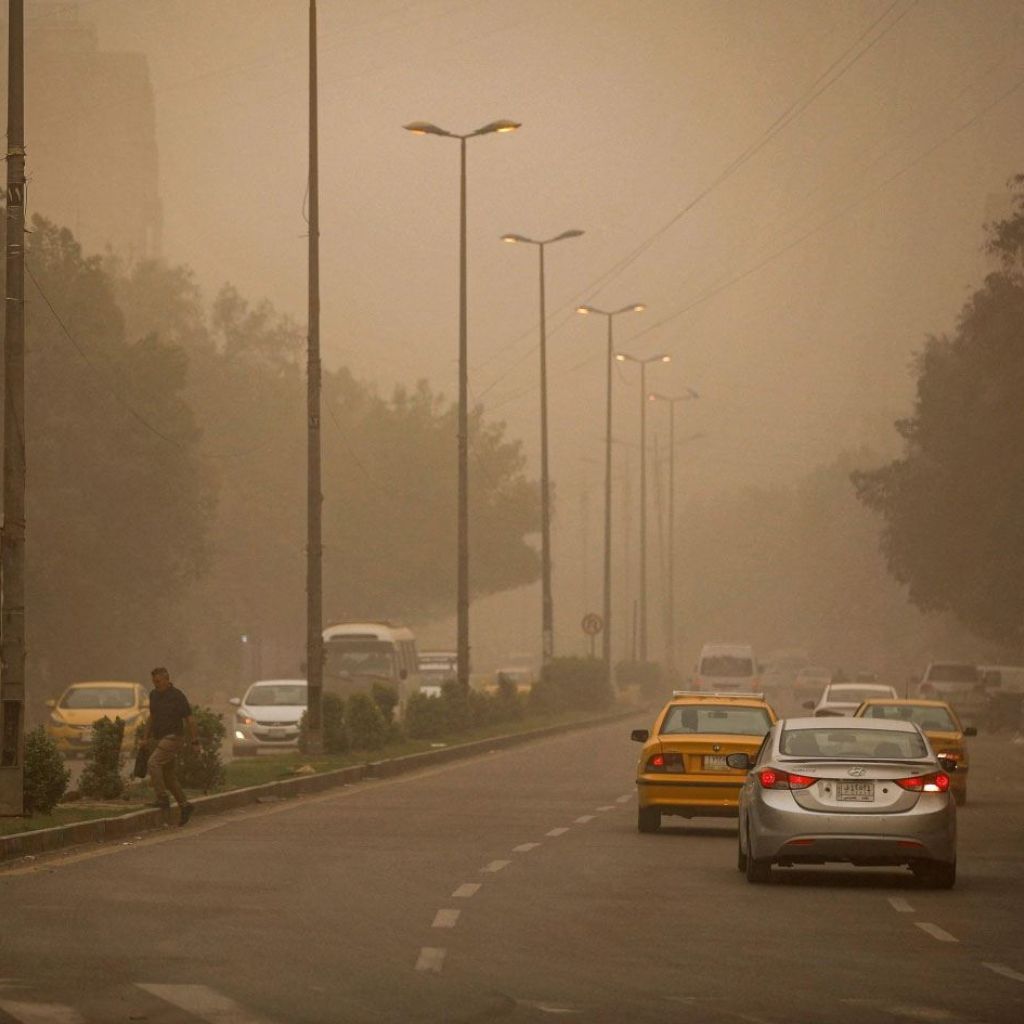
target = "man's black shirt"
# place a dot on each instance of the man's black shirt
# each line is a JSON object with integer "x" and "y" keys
{"x": 168, "y": 710}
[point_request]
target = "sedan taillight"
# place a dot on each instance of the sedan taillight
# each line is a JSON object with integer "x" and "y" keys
{"x": 776, "y": 778}
{"x": 664, "y": 763}
{"x": 937, "y": 782}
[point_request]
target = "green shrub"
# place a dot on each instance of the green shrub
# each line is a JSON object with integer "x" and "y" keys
{"x": 102, "y": 775}
{"x": 333, "y": 722}
{"x": 425, "y": 717}
{"x": 367, "y": 729}
{"x": 386, "y": 699}
{"x": 509, "y": 704}
{"x": 646, "y": 676}
{"x": 202, "y": 768}
{"x": 577, "y": 684}
{"x": 46, "y": 777}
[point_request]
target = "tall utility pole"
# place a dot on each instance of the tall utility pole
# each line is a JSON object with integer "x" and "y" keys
{"x": 623, "y": 357}
{"x": 547, "y": 602}
{"x": 462, "y": 554}
{"x": 12, "y": 544}
{"x": 606, "y": 635}
{"x": 314, "y": 495}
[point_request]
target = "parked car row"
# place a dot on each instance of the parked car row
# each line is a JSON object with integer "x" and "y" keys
{"x": 876, "y": 787}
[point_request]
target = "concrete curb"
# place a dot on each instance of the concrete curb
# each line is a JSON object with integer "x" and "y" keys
{"x": 99, "y": 830}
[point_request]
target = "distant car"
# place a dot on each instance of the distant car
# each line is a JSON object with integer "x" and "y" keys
{"x": 852, "y": 790}
{"x": 436, "y": 669}
{"x": 268, "y": 716}
{"x": 82, "y": 705}
{"x": 810, "y": 682}
{"x": 1004, "y": 697}
{"x": 838, "y": 699}
{"x": 682, "y": 768}
{"x": 939, "y": 722}
{"x": 724, "y": 668}
{"x": 958, "y": 683}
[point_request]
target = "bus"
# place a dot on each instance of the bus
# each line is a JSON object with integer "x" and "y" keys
{"x": 359, "y": 654}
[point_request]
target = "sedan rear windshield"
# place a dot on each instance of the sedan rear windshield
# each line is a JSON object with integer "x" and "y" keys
{"x": 715, "y": 665}
{"x": 929, "y": 719}
{"x": 276, "y": 695}
{"x": 93, "y": 697}
{"x": 854, "y": 744}
{"x": 683, "y": 719}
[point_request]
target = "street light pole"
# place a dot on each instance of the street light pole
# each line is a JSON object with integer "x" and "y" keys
{"x": 547, "y": 602}
{"x": 606, "y": 636}
{"x": 623, "y": 357}
{"x": 670, "y": 623}
{"x": 462, "y": 600}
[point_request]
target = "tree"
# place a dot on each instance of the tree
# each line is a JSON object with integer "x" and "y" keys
{"x": 953, "y": 531}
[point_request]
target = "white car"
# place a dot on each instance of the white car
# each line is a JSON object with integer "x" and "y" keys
{"x": 840, "y": 699}
{"x": 268, "y": 715}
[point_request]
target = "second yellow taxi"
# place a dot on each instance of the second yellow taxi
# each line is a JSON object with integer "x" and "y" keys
{"x": 682, "y": 768}
{"x": 940, "y": 724}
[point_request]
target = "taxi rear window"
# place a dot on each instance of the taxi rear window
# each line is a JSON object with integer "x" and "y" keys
{"x": 683, "y": 719}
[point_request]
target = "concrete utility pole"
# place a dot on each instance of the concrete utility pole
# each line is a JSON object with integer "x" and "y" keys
{"x": 314, "y": 496}
{"x": 12, "y": 545}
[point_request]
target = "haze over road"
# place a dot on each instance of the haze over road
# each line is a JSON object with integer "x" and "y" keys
{"x": 511, "y": 887}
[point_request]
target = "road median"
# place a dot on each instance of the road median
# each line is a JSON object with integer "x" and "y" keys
{"x": 117, "y": 827}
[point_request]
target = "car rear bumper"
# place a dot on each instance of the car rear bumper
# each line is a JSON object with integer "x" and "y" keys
{"x": 691, "y": 796}
{"x": 785, "y": 833}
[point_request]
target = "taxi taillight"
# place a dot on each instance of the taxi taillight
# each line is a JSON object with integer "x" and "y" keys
{"x": 937, "y": 782}
{"x": 777, "y": 778}
{"x": 665, "y": 763}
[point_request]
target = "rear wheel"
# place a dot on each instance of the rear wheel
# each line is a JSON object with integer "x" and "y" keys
{"x": 759, "y": 872}
{"x": 935, "y": 874}
{"x": 648, "y": 819}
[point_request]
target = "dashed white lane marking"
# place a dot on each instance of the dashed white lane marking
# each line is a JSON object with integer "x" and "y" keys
{"x": 446, "y": 918}
{"x": 584, "y": 819}
{"x": 431, "y": 959}
{"x": 900, "y": 905}
{"x": 555, "y": 832}
{"x": 936, "y": 932}
{"x": 496, "y": 865}
{"x": 623, "y": 799}
{"x": 1006, "y": 972}
{"x": 525, "y": 847}
{"x": 41, "y": 1013}
{"x": 466, "y": 890}
{"x": 548, "y": 1008}
{"x": 204, "y": 1003}
{"x": 607, "y": 807}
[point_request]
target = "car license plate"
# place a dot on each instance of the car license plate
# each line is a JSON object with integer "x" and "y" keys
{"x": 862, "y": 791}
{"x": 715, "y": 763}
{"x": 277, "y": 731}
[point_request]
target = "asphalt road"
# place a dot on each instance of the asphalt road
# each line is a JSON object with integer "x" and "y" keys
{"x": 512, "y": 887}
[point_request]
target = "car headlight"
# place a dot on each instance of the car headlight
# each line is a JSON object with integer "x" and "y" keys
{"x": 244, "y": 719}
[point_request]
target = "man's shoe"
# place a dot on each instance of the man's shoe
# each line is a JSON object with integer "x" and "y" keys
{"x": 186, "y": 813}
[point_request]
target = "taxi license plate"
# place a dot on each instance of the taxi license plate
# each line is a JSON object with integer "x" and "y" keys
{"x": 862, "y": 791}
{"x": 715, "y": 763}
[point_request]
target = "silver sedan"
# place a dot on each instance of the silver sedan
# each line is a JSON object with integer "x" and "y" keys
{"x": 847, "y": 790}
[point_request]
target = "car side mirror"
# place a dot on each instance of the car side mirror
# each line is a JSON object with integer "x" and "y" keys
{"x": 237, "y": 701}
{"x": 51, "y": 703}
{"x": 640, "y": 735}
{"x": 948, "y": 764}
{"x": 809, "y": 704}
{"x": 740, "y": 760}
{"x": 971, "y": 730}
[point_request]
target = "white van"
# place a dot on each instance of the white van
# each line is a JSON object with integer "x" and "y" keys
{"x": 727, "y": 668}
{"x": 359, "y": 654}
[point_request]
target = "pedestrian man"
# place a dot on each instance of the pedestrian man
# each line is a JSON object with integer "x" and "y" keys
{"x": 170, "y": 719}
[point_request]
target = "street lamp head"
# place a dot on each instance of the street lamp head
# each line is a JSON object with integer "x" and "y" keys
{"x": 497, "y": 126}
{"x": 514, "y": 238}
{"x": 572, "y": 233}
{"x": 621, "y": 357}
{"x": 663, "y": 359}
{"x": 690, "y": 393}
{"x": 424, "y": 128}
{"x": 585, "y": 310}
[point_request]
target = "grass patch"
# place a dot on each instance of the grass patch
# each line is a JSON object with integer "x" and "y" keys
{"x": 66, "y": 814}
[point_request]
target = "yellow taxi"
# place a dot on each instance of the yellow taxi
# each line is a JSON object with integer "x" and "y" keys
{"x": 81, "y": 705}
{"x": 682, "y": 768}
{"x": 940, "y": 723}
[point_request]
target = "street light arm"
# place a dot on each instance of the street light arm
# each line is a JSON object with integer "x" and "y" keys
{"x": 496, "y": 126}
{"x": 426, "y": 128}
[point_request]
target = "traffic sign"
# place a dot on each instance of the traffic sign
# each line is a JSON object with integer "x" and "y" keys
{"x": 592, "y": 624}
